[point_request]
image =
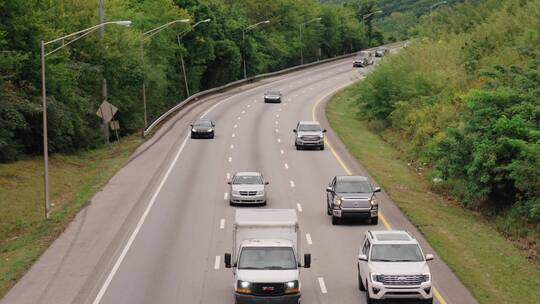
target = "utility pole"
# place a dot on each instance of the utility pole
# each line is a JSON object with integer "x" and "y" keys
{"x": 103, "y": 80}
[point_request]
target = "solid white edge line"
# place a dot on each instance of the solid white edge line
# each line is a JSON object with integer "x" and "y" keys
{"x": 222, "y": 223}
{"x": 322, "y": 285}
{"x": 308, "y": 239}
{"x": 133, "y": 235}
{"x": 217, "y": 262}
{"x": 299, "y": 207}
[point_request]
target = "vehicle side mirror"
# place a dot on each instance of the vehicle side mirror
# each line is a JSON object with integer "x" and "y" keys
{"x": 191, "y": 125}
{"x": 377, "y": 189}
{"x": 266, "y": 183}
{"x": 362, "y": 257}
{"x": 227, "y": 260}
{"x": 429, "y": 257}
{"x": 324, "y": 131}
{"x": 329, "y": 189}
{"x": 229, "y": 183}
{"x": 307, "y": 260}
{"x": 294, "y": 130}
{"x": 213, "y": 125}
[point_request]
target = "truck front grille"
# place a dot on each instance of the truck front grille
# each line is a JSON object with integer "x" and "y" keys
{"x": 356, "y": 203}
{"x": 310, "y": 138}
{"x": 268, "y": 289}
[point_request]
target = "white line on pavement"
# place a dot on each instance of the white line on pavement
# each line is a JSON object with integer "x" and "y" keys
{"x": 299, "y": 207}
{"x": 308, "y": 239}
{"x": 292, "y": 184}
{"x": 230, "y": 159}
{"x": 226, "y": 196}
{"x": 277, "y": 115}
{"x": 286, "y": 166}
{"x": 276, "y": 122}
{"x": 233, "y": 135}
{"x": 235, "y": 126}
{"x": 228, "y": 176}
{"x": 278, "y": 140}
{"x": 217, "y": 262}
{"x": 244, "y": 111}
{"x": 282, "y": 152}
{"x": 232, "y": 146}
{"x": 239, "y": 118}
{"x": 222, "y": 224}
{"x": 248, "y": 105}
{"x": 322, "y": 285}
{"x": 277, "y": 130}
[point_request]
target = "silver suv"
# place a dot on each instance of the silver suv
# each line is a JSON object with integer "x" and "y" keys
{"x": 247, "y": 188}
{"x": 391, "y": 265}
{"x": 309, "y": 134}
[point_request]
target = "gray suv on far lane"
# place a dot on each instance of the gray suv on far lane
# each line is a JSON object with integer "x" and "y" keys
{"x": 352, "y": 197}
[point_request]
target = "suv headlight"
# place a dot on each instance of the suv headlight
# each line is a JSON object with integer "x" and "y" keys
{"x": 337, "y": 201}
{"x": 243, "y": 287}
{"x": 292, "y": 287}
{"x": 426, "y": 277}
{"x": 376, "y": 277}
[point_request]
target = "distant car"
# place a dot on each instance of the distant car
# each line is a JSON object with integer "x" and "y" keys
{"x": 392, "y": 266}
{"x": 247, "y": 188}
{"x": 272, "y": 96}
{"x": 362, "y": 62}
{"x": 309, "y": 134}
{"x": 352, "y": 197}
{"x": 382, "y": 51}
{"x": 202, "y": 128}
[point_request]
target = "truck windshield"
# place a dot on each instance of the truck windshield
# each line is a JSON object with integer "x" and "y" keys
{"x": 396, "y": 253}
{"x": 353, "y": 186}
{"x": 272, "y": 258}
{"x": 309, "y": 127}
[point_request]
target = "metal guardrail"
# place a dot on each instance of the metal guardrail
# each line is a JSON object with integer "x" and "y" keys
{"x": 233, "y": 84}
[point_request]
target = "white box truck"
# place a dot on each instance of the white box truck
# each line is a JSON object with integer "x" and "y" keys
{"x": 266, "y": 256}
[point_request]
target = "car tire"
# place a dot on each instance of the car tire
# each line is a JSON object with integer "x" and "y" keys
{"x": 360, "y": 283}
{"x": 264, "y": 203}
{"x": 368, "y": 299}
{"x": 321, "y": 148}
{"x": 335, "y": 220}
{"x": 231, "y": 203}
{"x": 374, "y": 220}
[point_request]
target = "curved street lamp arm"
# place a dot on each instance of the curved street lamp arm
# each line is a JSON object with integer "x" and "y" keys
{"x": 183, "y": 33}
{"x": 256, "y": 24}
{"x": 149, "y": 34}
{"x": 437, "y": 4}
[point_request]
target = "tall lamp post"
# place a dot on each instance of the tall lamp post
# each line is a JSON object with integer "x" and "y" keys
{"x": 301, "y": 41}
{"x": 179, "y": 37}
{"x": 147, "y": 35}
{"x": 367, "y": 16}
{"x": 249, "y": 28}
{"x": 431, "y": 8}
{"x": 65, "y": 40}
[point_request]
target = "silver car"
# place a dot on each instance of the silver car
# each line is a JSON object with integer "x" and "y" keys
{"x": 248, "y": 188}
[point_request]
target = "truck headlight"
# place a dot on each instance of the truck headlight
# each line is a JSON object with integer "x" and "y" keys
{"x": 193, "y": 130}
{"x": 337, "y": 201}
{"x": 243, "y": 287}
{"x": 374, "y": 203}
{"x": 376, "y": 277}
{"x": 426, "y": 277}
{"x": 210, "y": 130}
{"x": 292, "y": 287}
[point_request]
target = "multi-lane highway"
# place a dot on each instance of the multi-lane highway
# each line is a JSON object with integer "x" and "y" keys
{"x": 169, "y": 247}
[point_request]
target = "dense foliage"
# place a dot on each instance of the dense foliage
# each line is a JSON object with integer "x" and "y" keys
{"x": 212, "y": 54}
{"x": 466, "y": 96}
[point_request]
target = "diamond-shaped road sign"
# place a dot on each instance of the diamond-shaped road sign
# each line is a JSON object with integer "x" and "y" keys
{"x": 106, "y": 111}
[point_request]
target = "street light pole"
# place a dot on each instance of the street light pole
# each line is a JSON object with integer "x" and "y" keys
{"x": 244, "y": 44}
{"x": 147, "y": 35}
{"x": 179, "y": 38}
{"x": 431, "y": 8}
{"x": 74, "y": 37}
{"x": 301, "y": 39}
{"x": 367, "y": 16}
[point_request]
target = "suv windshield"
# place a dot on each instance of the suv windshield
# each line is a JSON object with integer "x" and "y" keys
{"x": 309, "y": 127}
{"x": 353, "y": 186}
{"x": 276, "y": 258}
{"x": 396, "y": 253}
{"x": 247, "y": 179}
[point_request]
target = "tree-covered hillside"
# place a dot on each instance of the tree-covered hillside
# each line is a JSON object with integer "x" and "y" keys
{"x": 212, "y": 53}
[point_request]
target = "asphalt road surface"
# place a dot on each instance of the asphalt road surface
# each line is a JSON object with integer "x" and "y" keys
{"x": 170, "y": 249}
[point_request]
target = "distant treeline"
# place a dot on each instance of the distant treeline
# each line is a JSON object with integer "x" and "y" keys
{"x": 212, "y": 53}
{"x": 464, "y": 102}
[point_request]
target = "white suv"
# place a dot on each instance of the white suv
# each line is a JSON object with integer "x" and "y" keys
{"x": 391, "y": 265}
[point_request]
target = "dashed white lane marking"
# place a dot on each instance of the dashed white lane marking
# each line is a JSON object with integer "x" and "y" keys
{"x": 282, "y": 152}
{"x": 286, "y": 166}
{"x": 232, "y": 146}
{"x": 226, "y": 196}
{"x": 292, "y": 184}
{"x": 228, "y": 176}
{"x": 230, "y": 159}
{"x": 248, "y": 105}
{"x": 222, "y": 224}
{"x": 284, "y": 104}
{"x": 278, "y": 140}
{"x": 235, "y": 126}
{"x": 217, "y": 262}
{"x": 233, "y": 135}
{"x": 239, "y": 118}
{"x": 244, "y": 112}
{"x": 322, "y": 285}
{"x": 299, "y": 207}
{"x": 276, "y": 122}
{"x": 280, "y": 109}
{"x": 308, "y": 239}
{"x": 277, "y": 130}
{"x": 277, "y": 115}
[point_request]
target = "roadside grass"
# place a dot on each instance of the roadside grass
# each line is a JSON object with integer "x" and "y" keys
{"x": 491, "y": 267}
{"x": 74, "y": 179}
